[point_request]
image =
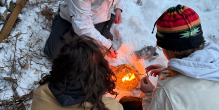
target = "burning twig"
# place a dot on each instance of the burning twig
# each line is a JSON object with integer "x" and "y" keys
{"x": 146, "y": 82}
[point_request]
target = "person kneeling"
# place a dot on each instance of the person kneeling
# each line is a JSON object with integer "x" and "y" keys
{"x": 191, "y": 80}
{"x": 79, "y": 78}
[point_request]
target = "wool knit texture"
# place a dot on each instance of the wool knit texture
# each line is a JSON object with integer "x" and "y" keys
{"x": 178, "y": 29}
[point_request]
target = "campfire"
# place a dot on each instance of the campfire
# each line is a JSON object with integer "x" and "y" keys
{"x": 127, "y": 77}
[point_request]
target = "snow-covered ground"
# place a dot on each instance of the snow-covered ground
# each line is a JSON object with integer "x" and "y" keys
{"x": 131, "y": 35}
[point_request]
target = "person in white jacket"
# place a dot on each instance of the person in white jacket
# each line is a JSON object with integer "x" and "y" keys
{"x": 87, "y": 17}
{"x": 191, "y": 80}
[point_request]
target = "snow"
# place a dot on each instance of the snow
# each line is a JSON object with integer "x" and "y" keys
{"x": 1, "y": 26}
{"x": 131, "y": 35}
{"x": 3, "y": 1}
{"x": 2, "y": 9}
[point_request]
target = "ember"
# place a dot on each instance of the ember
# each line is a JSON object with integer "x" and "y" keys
{"x": 127, "y": 77}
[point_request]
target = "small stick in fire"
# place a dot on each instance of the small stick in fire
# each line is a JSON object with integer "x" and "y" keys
{"x": 146, "y": 82}
{"x": 147, "y": 73}
{"x": 147, "y": 76}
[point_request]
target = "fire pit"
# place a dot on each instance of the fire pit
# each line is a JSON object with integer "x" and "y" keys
{"x": 127, "y": 77}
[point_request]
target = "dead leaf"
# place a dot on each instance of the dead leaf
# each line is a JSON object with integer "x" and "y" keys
{"x": 29, "y": 26}
{"x": 39, "y": 40}
{"x": 18, "y": 34}
{"x": 26, "y": 66}
{"x": 32, "y": 46}
{"x": 35, "y": 72}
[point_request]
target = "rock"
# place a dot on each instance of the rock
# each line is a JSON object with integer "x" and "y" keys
{"x": 139, "y": 2}
{"x": 148, "y": 52}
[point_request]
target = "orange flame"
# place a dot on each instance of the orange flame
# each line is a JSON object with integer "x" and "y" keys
{"x": 128, "y": 77}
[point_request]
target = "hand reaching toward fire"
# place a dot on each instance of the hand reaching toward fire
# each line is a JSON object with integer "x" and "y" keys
{"x": 112, "y": 53}
{"x": 146, "y": 85}
{"x": 118, "y": 18}
{"x": 155, "y": 69}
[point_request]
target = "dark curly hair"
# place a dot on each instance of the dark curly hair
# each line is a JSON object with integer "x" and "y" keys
{"x": 82, "y": 60}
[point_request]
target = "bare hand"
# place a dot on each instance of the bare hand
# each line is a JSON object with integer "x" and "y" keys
{"x": 155, "y": 69}
{"x": 146, "y": 85}
{"x": 112, "y": 53}
{"x": 118, "y": 18}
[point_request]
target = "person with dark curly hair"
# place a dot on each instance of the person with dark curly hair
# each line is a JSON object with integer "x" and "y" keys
{"x": 79, "y": 78}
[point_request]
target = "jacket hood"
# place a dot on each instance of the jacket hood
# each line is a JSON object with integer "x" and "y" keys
{"x": 202, "y": 64}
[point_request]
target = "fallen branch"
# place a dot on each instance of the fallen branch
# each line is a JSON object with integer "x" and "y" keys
{"x": 14, "y": 59}
{"x": 6, "y": 30}
{"x": 18, "y": 102}
{"x": 10, "y": 79}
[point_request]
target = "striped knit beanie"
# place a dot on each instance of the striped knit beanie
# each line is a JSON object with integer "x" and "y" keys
{"x": 178, "y": 29}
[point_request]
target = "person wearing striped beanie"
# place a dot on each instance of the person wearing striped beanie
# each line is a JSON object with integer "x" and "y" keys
{"x": 179, "y": 28}
{"x": 191, "y": 80}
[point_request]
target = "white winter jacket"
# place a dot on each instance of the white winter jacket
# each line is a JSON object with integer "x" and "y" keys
{"x": 191, "y": 83}
{"x": 83, "y": 14}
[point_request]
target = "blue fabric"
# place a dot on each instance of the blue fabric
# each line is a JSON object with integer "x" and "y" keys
{"x": 54, "y": 42}
{"x": 72, "y": 95}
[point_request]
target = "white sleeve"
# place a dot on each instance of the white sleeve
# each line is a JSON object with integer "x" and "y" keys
{"x": 80, "y": 11}
{"x": 120, "y": 4}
